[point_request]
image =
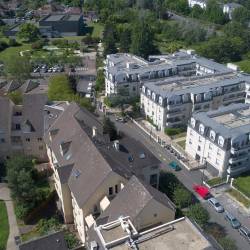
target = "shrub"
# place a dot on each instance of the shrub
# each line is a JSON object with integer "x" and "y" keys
{"x": 173, "y": 131}
{"x": 16, "y": 97}
{"x": 71, "y": 240}
{"x": 182, "y": 197}
{"x": 13, "y": 42}
{"x": 199, "y": 214}
{"x": 45, "y": 226}
{"x": 38, "y": 44}
{"x": 227, "y": 243}
{"x": 3, "y": 45}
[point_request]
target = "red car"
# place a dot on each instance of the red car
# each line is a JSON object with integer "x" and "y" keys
{"x": 202, "y": 191}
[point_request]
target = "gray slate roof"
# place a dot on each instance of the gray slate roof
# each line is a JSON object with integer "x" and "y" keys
{"x": 132, "y": 199}
{"x": 54, "y": 241}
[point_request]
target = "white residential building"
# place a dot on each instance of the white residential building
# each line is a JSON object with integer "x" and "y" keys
{"x": 124, "y": 73}
{"x": 229, "y": 8}
{"x": 221, "y": 139}
{"x": 201, "y": 3}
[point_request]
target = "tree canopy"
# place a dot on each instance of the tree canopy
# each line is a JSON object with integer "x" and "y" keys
{"x": 29, "y": 32}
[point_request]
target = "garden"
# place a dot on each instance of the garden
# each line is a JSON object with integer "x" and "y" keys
{"x": 4, "y": 226}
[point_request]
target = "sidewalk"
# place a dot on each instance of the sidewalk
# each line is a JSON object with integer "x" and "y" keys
{"x": 163, "y": 139}
{"x": 14, "y": 231}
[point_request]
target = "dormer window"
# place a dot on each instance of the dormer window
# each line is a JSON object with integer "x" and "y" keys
{"x": 64, "y": 148}
{"x": 192, "y": 122}
{"x": 201, "y": 129}
{"x": 153, "y": 96}
{"x": 160, "y": 100}
{"x": 212, "y": 135}
{"x": 221, "y": 141}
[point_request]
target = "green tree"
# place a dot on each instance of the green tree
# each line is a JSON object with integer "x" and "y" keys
{"x": 18, "y": 68}
{"x": 142, "y": 40}
{"x": 125, "y": 40}
{"x": 197, "y": 11}
{"x": 100, "y": 81}
{"x": 214, "y": 13}
{"x": 241, "y": 15}
{"x": 109, "y": 128}
{"x": 16, "y": 97}
{"x": 60, "y": 88}
{"x": 71, "y": 240}
{"x": 29, "y": 32}
{"x": 182, "y": 197}
{"x": 199, "y": 214}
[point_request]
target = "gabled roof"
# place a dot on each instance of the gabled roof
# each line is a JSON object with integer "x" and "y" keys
{"x": 53, "y": 241}
{"x": 132, "y": 199}
{"x": 33, "y": 111}
{"x": 28, "y": 86}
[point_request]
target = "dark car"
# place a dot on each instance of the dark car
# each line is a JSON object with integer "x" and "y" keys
{"x": 245, "y": 232}
{"x": 233, "y": 221}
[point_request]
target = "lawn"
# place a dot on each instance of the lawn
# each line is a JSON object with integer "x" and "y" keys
{"x": 239, "y": 197}
{"x": 216, "y": 181}
{"x": 97, "y": 29}
{"x": 242, "y": 183}
{"x": 244, "y": 65}
{"x": 4, "y": 225}
{"x": 182, "y": 143}
{"x": 12, "y": 51}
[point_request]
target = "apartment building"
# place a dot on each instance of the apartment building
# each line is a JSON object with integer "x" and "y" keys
{"x": 89, "y": 169}
{"x": 201, "y": 3}
{"x": 21, "y": 126}
{"x": 126, "y": 73}
{"x": 122, "y": 234}
{"x": 221, "y": 139}
{"x": 171, "y": 103}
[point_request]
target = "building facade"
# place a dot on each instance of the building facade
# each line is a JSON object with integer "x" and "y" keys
{"x": 89, "y": 169}
{"x": 221, "y": 139}
{"x": 21, "y": 127}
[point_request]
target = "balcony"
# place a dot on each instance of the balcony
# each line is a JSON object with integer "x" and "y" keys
{"x": 233, "y": 160}
{"x": 240, "y": 150}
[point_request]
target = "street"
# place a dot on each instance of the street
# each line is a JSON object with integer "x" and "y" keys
{"x": 188, "y": 178}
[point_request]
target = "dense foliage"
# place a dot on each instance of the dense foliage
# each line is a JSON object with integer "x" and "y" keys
{"x": 28, "y": 189}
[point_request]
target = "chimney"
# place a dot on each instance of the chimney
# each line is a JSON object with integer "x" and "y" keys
{"x": 117, "y": 145}
{"x": 94, "y": 132}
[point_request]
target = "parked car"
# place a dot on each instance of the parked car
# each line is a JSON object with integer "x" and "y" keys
{"x": 202, "y": 191}
{"x": 216, "y": 205}
{"x": 233, "y": 221}
{"x": 174, "y": 166}
{"x": 245, "y": 232}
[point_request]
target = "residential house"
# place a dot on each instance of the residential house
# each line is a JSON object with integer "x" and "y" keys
{"x": 89, "y": 169}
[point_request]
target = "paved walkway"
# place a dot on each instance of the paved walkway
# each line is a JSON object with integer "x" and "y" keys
{"x": 14, "y": 231}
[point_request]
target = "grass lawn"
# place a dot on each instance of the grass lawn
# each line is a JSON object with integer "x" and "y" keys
{"x": 97, "y": 29}
{"x": 216, "y": 181}
{"x": 239, "y": 197}
{"x": 4, "y": 225}
{"x": 244, "y": 65}
{"x": 182, "y": 143}
{"x": 243, "y": 184}
{"x": 12, "y": 51}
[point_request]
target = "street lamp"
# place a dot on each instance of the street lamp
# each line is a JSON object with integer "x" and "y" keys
{"x": 202, "y": 177}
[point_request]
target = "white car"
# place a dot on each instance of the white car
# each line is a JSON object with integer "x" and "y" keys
{"x": 216, "y": 205}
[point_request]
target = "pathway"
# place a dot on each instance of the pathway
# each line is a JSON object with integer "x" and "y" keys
{"x": 14, "y": 231}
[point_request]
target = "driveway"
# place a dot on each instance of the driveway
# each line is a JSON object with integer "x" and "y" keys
{"x": 14, "y": 231}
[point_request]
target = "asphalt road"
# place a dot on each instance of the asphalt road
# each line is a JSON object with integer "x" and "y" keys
{"x": 188, "y": 178}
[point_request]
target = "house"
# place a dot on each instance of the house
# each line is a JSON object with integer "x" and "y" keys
{"x": 63, "y": 24}
{"x": 220, "y": 139}
{"x": 89, "y": 169}
{"x": 122, "y": 234}
{"x": 229, "y": 8}
{"x": 21, "y": 126}
{"x": 144, "y": 205}
{"x": 51, "y": 241}
{"x": 201, "y": 3}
